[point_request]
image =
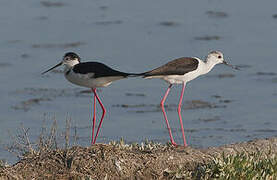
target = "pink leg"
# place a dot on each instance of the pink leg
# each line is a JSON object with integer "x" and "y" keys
{"x": 94, "y": 118}
{"x": 103, "y": 114}
{"x": 164, "y": 113}
{"x": 179, "y": 113}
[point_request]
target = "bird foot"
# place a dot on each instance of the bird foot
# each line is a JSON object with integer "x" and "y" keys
{"x": 174, "y": 144}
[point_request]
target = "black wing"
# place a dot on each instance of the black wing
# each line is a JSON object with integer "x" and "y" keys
{"x": 99, "y": 70}
{"x": 178, "y": 66}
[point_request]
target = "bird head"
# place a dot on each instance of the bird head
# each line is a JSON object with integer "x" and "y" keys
{"x": 69, "y": 59}
{"x": 216, "y": 57}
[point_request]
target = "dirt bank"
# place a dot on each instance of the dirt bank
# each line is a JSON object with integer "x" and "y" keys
{"x": 120, "y": 161}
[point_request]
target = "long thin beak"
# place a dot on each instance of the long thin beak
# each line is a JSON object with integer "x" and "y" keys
{"x": 230, "y": 65}
{"x": 52, "y": 68}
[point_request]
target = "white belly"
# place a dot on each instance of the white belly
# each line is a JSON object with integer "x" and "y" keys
{"x": 87, "y": 80}
{"x": 178, "y": 79}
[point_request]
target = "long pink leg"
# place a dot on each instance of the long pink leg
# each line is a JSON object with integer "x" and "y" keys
{"x": 103, "y": 114}
{"x": 179, "y": 113}
{"x": 94, "y": 116}
{"x": 164, "y": 113}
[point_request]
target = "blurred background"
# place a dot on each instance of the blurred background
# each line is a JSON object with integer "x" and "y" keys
{"x": 225, "y": 106}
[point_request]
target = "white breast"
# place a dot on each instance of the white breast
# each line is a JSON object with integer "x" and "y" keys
{"x": 88, "y": 80}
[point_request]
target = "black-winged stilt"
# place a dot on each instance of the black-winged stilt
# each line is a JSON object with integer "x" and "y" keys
{"x": 181, "y": 71}
{"x": 92, "y": 75}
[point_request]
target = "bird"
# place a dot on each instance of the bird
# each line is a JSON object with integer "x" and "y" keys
{"x": 181, "y": 71}
{"x": 92, "y": 75}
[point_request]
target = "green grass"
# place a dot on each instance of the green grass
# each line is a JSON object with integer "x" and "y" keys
{"x": 242, "y": 166}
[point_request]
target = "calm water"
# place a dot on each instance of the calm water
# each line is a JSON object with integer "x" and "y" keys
{"x": 223, "y": 107}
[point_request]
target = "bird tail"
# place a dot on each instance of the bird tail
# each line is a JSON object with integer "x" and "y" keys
{"x": 135, "y": 74}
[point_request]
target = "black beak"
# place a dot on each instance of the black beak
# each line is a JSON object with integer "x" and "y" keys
{"x": 52, "y": 68}
{"x": 230, "y": 65}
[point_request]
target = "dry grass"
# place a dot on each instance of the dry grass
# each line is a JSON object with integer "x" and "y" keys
{"x": 44, "y": 159}
{"x": 22, "y": 147}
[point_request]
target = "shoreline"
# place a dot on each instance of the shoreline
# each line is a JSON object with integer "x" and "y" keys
{"x": 119, "y": 160}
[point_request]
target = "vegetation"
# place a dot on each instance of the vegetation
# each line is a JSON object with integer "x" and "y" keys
{"x": 241, "y": 166}
{"x": 2, "y": 164}
{"x": 148, "y": 160}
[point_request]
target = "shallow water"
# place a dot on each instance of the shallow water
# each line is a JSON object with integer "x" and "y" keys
{"x": 223, "y": 107}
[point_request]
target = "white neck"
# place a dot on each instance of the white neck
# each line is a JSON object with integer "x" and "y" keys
{"x": 69, "y": 65}
{"x": 208, "y": 66}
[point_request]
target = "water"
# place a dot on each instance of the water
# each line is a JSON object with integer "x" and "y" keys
{"x": 135, "y": 37}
